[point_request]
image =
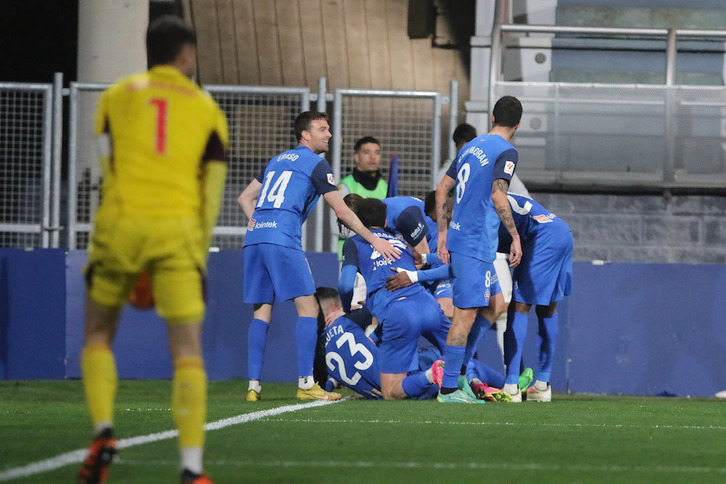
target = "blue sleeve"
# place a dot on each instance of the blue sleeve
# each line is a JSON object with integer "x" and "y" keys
{"x": 260, "y": 176}
{"x": 411, "y": 224}
{"x": 452, "y": 168}
{"x": 350, "y": 253}
{"x": 322, "y": 178}
{"x": 346, "y": 285}
{"x": 432, "y": 259}
{"x": 438, "y": 274}
{"x": 505, "y": 165}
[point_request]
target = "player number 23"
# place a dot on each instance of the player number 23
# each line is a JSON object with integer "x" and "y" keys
{"x": 354, "y": 348}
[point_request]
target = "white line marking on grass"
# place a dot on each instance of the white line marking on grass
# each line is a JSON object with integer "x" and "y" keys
{"x": 504, "y": 424}
{"x": 77, "y": 456}
{"x": 501, "y": 466}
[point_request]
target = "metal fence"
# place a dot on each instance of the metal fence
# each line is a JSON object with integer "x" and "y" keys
{"x": 407, "y": 123}
{"x": 621, "y": 135}
{"x": 260, "y": 121}
{"x": 29, "y": 183}
{"x": 585, "y": 135}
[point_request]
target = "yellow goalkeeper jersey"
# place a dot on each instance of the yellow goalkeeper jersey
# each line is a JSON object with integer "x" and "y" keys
{"x": 155, "y": 130}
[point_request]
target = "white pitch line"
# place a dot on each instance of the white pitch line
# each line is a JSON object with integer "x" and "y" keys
{"x": 506, "y": 424}
{"x": 500, "y": 466}
{"x": 77, "y": 456}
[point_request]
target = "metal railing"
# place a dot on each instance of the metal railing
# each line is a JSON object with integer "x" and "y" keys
{"x": 30, "y": 129}
{"x": 568, "y": 126}
{"x": 260, "y": 121}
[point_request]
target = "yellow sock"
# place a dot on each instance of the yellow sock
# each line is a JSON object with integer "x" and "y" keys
{"x": 189, "y": 401}
{"x": 98, "y": 369}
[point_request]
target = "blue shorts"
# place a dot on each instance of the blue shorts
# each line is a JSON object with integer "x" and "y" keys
{"x": 275, "y": 273}
{"x": 545, "y": 274}
{"x": 403, "y": 323}
{"x": 444, "y": 289}
{"x": 475, "y": 281}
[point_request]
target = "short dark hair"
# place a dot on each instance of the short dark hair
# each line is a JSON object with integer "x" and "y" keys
{"x": 364, "y": 141}
{"x": 352, "y": 200}
{"x": 372, "y": 212}
{"x": 303, "y": 120}
{"x": 464, "y": 132}
{"x": 430, "y": 202}
{"x": 165, "y": 38}
{"x": 326, "y": 293}
{"x": 507, "y": 112}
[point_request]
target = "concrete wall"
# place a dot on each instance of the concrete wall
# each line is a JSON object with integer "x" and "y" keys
{"x": 643, "y": 228}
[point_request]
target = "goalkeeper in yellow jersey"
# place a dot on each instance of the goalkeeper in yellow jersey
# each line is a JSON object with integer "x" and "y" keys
{"x": 163, "y": 143}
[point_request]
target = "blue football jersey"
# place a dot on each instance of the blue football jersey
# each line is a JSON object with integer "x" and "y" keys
{"x": 351, "y": 358}
{"x": 291, "y": 185}
{"x": 474, "y": 225}
{"x": 405, "y": 216}
{"x": 532, "y": 220}
{"x": 375, "y": 269}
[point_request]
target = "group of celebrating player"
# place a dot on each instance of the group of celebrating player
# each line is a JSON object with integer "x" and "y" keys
{"x": 411, "y": 256}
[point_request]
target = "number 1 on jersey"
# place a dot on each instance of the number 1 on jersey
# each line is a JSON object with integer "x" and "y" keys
{"x": 162, "y": 109}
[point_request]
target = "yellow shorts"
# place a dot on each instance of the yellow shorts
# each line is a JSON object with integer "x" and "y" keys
{"x": 169, "y": 249}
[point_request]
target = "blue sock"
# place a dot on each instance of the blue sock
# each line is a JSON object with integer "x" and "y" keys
{"x": 478, "y": 329}
{"x": 513, "y": 345}
{"x": 416, "y": 385}
{"x": 256, "y": 340}
{"x": 430, "y": 393}
{"x": 487, "y": 374}
{"x": 453, "y": 358}
{"x": 306, "y": 337}
{"x": 549, "y": 330}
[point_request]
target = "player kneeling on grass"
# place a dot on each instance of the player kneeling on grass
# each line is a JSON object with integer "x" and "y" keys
{"x": 410, "y": 313}
{"x": 352, "y": 358}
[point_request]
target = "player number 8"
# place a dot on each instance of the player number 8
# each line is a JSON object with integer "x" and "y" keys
{"x": 462, "y": 177}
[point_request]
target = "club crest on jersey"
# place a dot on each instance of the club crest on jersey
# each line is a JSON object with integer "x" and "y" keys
{"x": 330, "y": 179}
{"x": 509, "y": 168}
{"x": 251, "y": 225}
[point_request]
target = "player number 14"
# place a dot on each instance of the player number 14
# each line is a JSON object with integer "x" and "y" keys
{"x": 277, "y": 193}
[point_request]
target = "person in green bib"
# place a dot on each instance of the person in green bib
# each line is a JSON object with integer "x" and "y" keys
{"x": 366, "y": 181}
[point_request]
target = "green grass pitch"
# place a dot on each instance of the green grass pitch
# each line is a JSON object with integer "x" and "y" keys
{"x": 576, "y": 438}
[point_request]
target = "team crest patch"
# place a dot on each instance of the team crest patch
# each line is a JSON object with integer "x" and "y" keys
{"x": 509, "y": 168}
{"x": 330, "y": 179}
{"x": 251, "y": 225}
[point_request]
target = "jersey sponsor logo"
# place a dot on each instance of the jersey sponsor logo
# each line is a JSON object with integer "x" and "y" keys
{"x": 330, "y": 179}
{"x": 266, "y": 225}
{"x": 288, "y": 156}
{"x": 544, "y": 219}
{"x": 509, "y": 168}
{"x": 251, "y": 225}
{"x": 417, "y": 232}
{"x": 455, "y": 225}
{"x": 477, "y": 153}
